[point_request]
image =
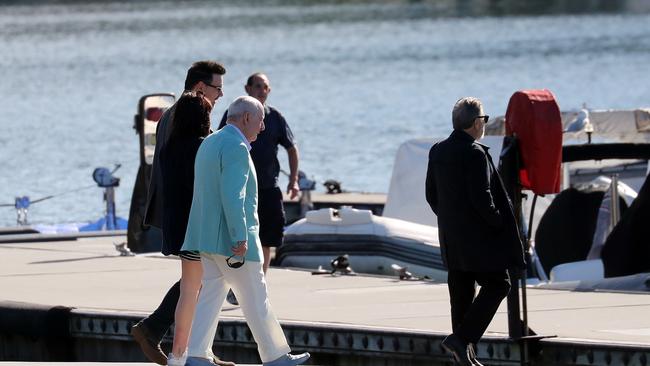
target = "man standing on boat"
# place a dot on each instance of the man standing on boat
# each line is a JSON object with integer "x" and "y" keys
{"x": 479, "y": 238}
{"x": 265, "y": 157}
{"x": 205, "y": 77}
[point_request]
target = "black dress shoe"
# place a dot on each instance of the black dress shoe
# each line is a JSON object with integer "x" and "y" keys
{"x": 458, "y": 349}
{"x": 471, "y": 349}
{"x": 150, "y": 347}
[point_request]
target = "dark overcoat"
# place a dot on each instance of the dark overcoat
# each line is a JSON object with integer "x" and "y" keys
{"x": 476, "y": 222}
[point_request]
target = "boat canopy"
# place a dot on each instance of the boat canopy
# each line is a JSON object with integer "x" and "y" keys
{"x": 609, "y": 126}
{"x": 406, "y": 200}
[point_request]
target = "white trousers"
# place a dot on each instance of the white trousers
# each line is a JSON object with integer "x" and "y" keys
{"x": 249, "y": 285}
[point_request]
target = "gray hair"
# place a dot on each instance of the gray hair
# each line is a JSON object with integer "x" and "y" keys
{"x": 242, "y": 105}
{"x": 465, "y": 112}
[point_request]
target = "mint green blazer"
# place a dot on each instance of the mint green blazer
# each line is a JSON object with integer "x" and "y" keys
{"x": 224, "y": 203}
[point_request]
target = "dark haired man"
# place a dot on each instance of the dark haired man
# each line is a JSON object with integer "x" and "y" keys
{"x": 205, "y": 77}
{"x": 479, "y": 238}
{"x": 264, "y": 153}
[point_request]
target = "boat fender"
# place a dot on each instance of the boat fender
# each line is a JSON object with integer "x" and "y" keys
{"x": 324, "y": 216}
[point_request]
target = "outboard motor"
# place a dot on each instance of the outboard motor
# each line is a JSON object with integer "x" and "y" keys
{"x": 151, "y": 107}
{"x": 105, "y": 179}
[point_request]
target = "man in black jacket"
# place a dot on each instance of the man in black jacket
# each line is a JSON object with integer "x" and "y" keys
{"x": 479, "y": 238}
{"x": 205, "y": 77}
{"x": 264, "y": 153}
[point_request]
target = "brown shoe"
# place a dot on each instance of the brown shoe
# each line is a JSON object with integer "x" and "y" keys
{"x": 149, "y": 347}
{"x": 220, "y": 362}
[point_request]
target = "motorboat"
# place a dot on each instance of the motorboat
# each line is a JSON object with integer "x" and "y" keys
{"x": 373, "y": 242}
{"x": 594, "y": 236}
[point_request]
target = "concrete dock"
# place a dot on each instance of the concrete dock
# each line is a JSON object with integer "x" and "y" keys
{"x": 79, "y": 364}
{"x": 86, "y": 364}
{"x": 331, "y": 317}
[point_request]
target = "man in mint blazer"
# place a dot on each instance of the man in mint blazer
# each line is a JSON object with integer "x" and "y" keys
{"x": 223, "y": 226}
{"x": 225, "y": 197}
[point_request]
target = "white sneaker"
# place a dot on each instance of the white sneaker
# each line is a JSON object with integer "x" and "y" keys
{"x": 177, "y": 361}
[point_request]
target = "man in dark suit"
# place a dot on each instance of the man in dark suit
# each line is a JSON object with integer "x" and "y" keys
{"x": 479, "y": 238}
{"x": 205, "y": 77}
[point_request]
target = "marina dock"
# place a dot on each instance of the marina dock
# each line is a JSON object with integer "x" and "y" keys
{"x": 79, "y": 364}
{"x": 85, "y": 364}
{"x": 76, "y": 300}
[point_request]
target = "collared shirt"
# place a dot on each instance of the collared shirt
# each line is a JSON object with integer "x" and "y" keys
{"x": 241, "y": 134}
{"x": 265, "y": 149}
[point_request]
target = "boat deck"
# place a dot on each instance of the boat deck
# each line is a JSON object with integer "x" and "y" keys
{"x": 89, "y": 275}
{"x": 361, "y": 200}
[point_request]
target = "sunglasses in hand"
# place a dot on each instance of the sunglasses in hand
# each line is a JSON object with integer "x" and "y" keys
{"x": 232, "y": 263}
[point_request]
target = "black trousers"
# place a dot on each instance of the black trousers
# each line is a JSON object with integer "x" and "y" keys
{"x": 471, "y": 314}
{"x": 163, "y": 317}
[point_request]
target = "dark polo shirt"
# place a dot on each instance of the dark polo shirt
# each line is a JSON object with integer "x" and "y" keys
{"x": 264, "y": 151}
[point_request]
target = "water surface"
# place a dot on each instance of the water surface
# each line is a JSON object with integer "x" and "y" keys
{"x": 354, "y": 80}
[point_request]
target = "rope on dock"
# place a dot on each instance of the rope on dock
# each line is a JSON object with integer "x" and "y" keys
{"x": 52, "y": 195}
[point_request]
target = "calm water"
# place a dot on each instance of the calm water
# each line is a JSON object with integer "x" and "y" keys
{"x": 354, "y": 80}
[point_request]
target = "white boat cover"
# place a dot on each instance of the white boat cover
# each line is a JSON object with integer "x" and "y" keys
{"x": 406, "y": 199}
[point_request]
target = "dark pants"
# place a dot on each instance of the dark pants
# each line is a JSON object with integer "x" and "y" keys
{"x": 470, "y": 316}
{"x": 162, "y": 318}
{"x": 270, "y": 211}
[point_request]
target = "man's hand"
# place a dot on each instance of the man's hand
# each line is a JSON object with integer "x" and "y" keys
{"x": 293, "y": 189}
{"x": 240, "y": 249}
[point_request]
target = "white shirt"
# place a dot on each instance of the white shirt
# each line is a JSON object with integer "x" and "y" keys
{"x": 248, "y": 144}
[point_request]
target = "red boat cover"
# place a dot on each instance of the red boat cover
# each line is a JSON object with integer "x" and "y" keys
{"x": 534, "y": 117}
